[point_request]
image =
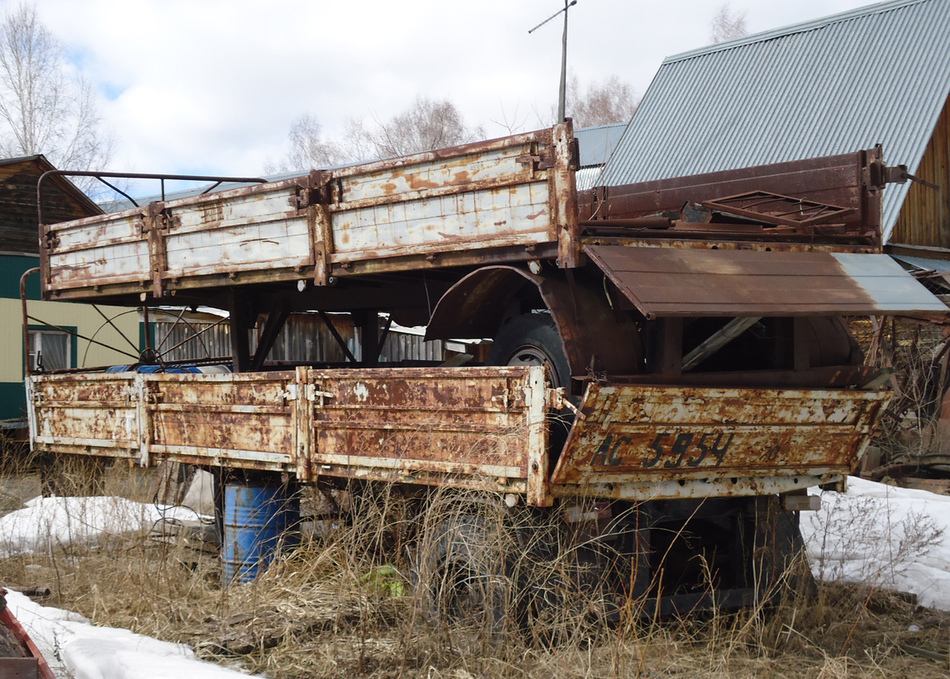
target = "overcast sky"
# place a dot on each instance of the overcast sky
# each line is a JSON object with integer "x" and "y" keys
{"x": 211, "y": 86}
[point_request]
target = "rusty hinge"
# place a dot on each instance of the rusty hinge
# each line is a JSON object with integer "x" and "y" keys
{"x": 543, "y": 159}
{"x": 314, "y": 189}
{"x": 559, "y": 400}
{"x": 310, "y": 392}
{"x": 574, "y": 161}
{"x": 301, "y": 197}
{"x": 160, "y": 216}
{"x": 166, "y": 220}
{"x": 52, "y": 240}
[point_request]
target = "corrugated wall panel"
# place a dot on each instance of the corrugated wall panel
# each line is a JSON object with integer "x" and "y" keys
{"x": 304, "y": 338}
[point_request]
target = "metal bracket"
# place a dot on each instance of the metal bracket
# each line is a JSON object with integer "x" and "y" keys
{"x": 900, "y": 175}
{"x": 559, "y": 401}
{"x": 542, "y": 160}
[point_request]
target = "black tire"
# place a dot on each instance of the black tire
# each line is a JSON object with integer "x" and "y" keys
{"x": 462, "y": 577}
{"x": 532, "y": 339}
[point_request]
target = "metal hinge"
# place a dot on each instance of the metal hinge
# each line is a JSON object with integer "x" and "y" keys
{"x": 542, "y": 160}
{"x": 310, "y": 392}
{"x": 559, "y": 401}
{"x": 166, "y": 221}
{"x": 314, "y": 190}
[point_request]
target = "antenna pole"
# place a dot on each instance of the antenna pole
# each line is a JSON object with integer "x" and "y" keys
{"x": 562, "y": 91}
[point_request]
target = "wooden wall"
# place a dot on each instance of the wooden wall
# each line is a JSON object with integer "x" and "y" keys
{"x": 18, "y": 221}
{"x": 925, "y": 217}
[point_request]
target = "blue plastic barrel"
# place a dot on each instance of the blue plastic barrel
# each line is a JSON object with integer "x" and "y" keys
{"x": 257, "y": 520}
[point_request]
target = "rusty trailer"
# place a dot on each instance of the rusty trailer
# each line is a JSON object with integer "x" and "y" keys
{"x": 474, "y": 428}
{"x": 674, "y": 352}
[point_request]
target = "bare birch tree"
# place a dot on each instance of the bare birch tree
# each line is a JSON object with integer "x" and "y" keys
{"x": 601, "y": 103}
{"x": 427, "y": 124}
{"x": 308, "y": 149}
{"x": 727, "y": 25}
{"x": 44, "y": 108}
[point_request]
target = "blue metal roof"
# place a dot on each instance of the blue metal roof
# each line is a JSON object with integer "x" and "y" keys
{"x": 597, "y": 143}
{"x": 875, "y": 75}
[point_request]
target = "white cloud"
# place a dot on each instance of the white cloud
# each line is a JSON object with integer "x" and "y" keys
{"x": 212, "y": 85}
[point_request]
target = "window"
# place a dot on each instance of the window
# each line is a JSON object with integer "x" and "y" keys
{"x": 50, "y": 350}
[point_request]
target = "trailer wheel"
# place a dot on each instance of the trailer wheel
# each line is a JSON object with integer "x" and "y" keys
{"x": 532, "y": 339}
{"x": 462, "y": 577}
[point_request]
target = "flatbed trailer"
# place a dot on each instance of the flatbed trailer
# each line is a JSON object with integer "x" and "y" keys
{"x": 679, "y": 341}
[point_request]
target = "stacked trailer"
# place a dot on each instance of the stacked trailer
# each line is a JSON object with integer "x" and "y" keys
{"x": 668, "y": 359}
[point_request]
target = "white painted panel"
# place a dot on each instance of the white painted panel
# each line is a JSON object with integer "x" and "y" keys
{"x": 487, "y": 166}
{"x": 117, "y": 228}
{"x": 117, "y": 263}
{"x": 275, "y": 244}
{"x": 425, "y": 224}
{"x": 234, "y": 211}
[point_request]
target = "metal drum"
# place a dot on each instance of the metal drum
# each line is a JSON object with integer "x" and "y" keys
{"x": 258, "y": 518}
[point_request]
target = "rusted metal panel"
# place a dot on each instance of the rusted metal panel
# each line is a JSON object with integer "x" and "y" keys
{"x": 252, "y": 229}
{"x": 241, "y": 419}
{"x": 464, "y": 203}
{"x": 481, "y": 428}
{"x": 643, "y": 442}
{"x": 702, "y": 282}
{"x": 109, "y": 249}
{"x": 474, "y": 197}
{"x": 84, "y": 414}
{"x": 852, "y": 181}
{"x": 470, "y": 427}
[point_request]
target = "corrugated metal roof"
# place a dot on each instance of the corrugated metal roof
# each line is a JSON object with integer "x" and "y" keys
{"x": 875, "y": 75}
{"x": 598, "y": 143}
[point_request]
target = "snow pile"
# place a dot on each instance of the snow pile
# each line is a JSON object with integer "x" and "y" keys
{"x": 75, "y": 649}
{"x": 57, "y": 521}
{"x": 880, "y": 535}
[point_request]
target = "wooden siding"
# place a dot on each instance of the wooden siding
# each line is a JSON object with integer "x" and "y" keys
{"x": 925, "y": 217}
{"x": 18, "y": 217}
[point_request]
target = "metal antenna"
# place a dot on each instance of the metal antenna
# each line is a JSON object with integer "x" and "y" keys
{"x": 562, "y": 92}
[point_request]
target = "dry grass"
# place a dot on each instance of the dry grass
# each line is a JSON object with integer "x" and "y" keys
{"x": 342, "y": 606}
